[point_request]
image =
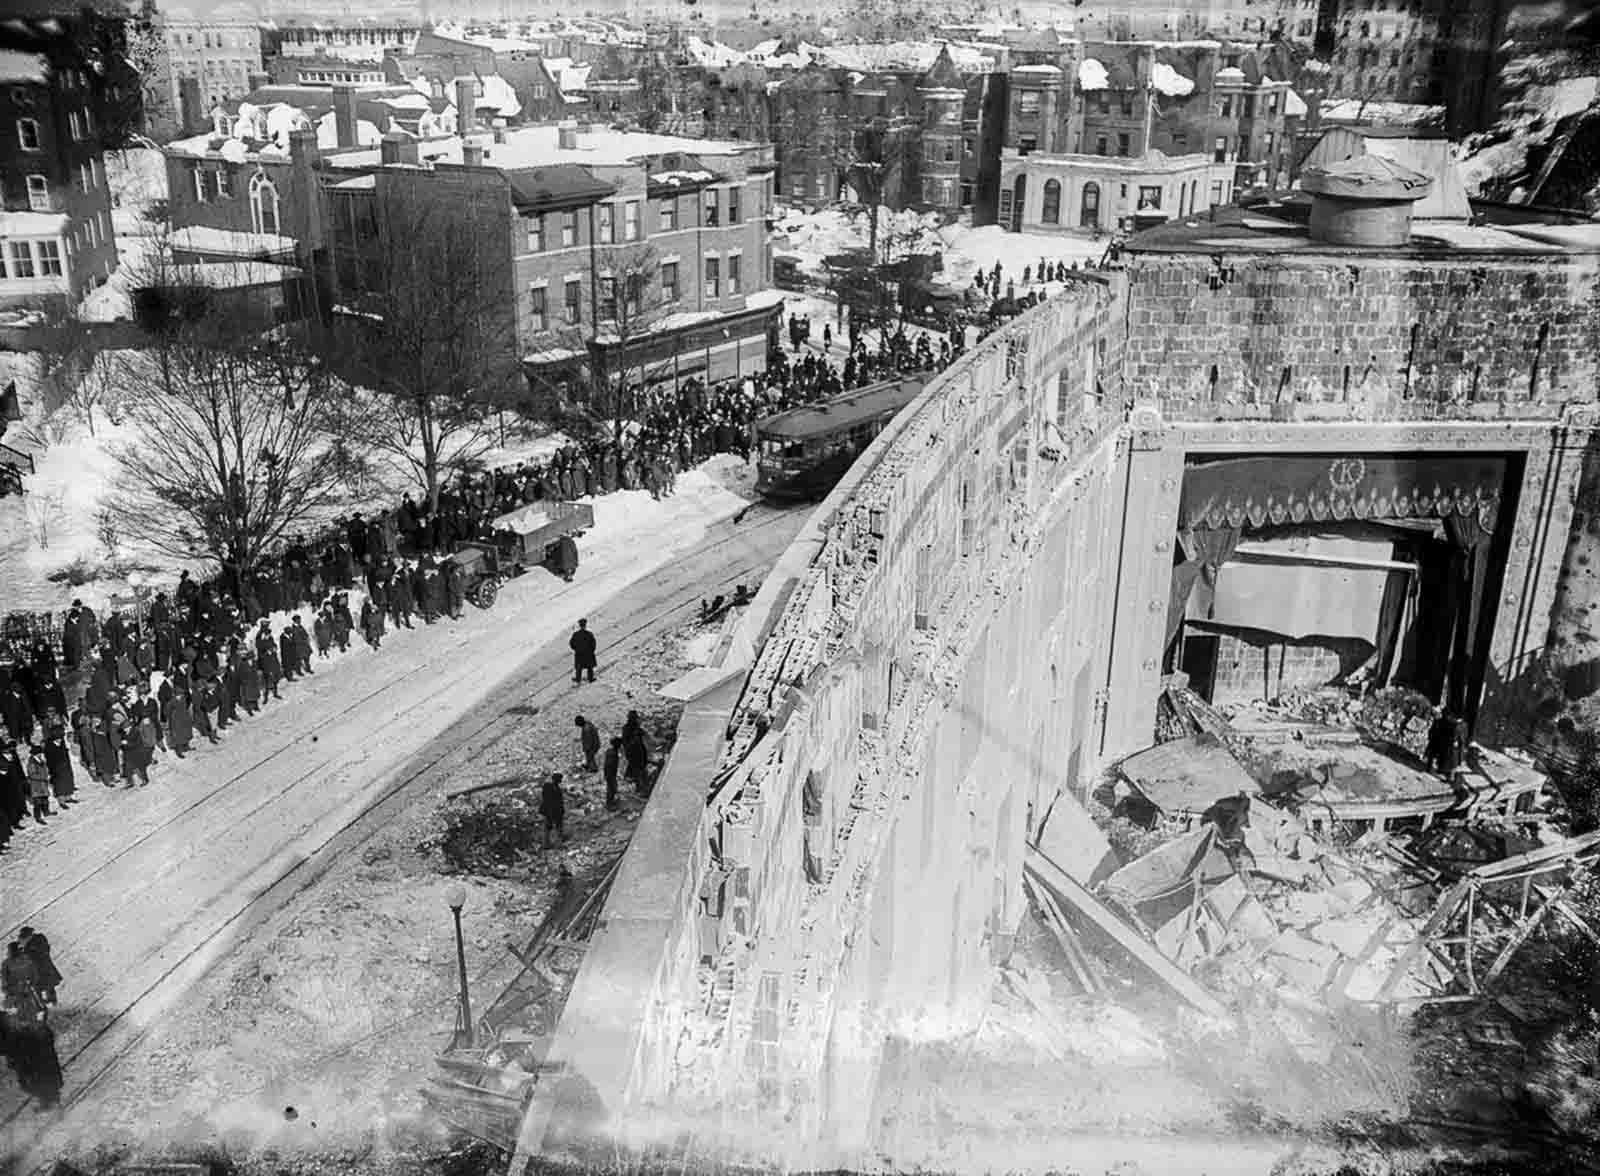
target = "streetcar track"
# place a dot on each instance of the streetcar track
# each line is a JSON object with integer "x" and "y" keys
{"x": 655, "y": 611}
{"x": 220, "y": 790}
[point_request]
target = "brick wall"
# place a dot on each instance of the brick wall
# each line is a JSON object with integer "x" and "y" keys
{"x": 1406, "y": 336}
{"x": 1254, "y": 665}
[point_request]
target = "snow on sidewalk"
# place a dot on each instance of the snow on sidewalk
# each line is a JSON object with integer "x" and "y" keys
{"x": 137, "y": 889}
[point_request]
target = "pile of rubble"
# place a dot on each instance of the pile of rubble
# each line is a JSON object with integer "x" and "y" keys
{"x": 1335, "y": 869}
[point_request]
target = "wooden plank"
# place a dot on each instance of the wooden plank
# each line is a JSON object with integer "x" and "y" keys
{"x": 1518, "y": 938}
{"x": 1448, "y": 905}
{"x": 1091, "y": 908}
{"x": 1051, "y": 918}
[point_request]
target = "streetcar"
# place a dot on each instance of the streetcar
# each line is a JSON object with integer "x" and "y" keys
{"x": 801, "y": 453}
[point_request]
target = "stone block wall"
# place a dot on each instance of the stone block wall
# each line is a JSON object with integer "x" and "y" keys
{"x": 1398, "y": 337}
{"x": 1257, "y": 665}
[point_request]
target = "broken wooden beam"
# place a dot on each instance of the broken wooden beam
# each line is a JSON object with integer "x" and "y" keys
{"x": 1097, "y": 913}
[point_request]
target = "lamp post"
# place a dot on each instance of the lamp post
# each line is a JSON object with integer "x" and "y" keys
{"x": 456, "y": 896}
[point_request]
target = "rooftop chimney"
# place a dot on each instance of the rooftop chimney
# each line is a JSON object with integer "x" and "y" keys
{"x": 398, "y": 147}
{"x": 344, "y": 114}
{"x": 471, "y": 153}
{"x": 567, "y": 136}
{"x": 499, "y": 130}
{"x": 466, "y": 105}
{"x": 303, "y": 145}
{"x": 1363, "y": 200}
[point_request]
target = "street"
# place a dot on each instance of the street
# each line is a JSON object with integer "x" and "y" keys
{"x": 145, "y": 894}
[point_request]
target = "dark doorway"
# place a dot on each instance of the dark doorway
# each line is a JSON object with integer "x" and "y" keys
{"x": 1200, "y": 652}
{"x": 1020, "y": 191}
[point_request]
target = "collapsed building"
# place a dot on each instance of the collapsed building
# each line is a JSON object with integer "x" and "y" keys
{"x": 1290, "y": 463}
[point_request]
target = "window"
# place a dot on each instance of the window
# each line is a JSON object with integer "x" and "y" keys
{"x": 968, "y": 145}
{"x": 1180, "y": 143}
{"x": 1122, "y": 144}
{"x": 1090, "y": 215}
{"x": 38, "y": 194}
{"x": 75, "y": 124}
{"x": 669, "y": 214}
{"x": 711, "y": 208}
{"x": 1126, "y": 101}
{"x": 538, "y": 312}
{"x": 224, "y": 181}
{"x": 86, "y": 177}
{"x": 28, "y": 133}
{"x": 569, "y": 229}
{"x": 1227, "y": 106}
{"x": 1123, "y": 192}
{"x": 1216, "y": 192}
{"x": 1272, "y": 141}
{"x": 799, "y": 185}
{"x": 632, "y": 288}
{"x": 263, "y": 204}
{"x": 88, "y": 120}
{"x": 1105, "y": 102}
{"x": 1100, "y": 145}
{"x": 735, "y": 213}
{"x": 608, "y": 297}
{"x": 199, "y": 177}
{"x": 734, "y": 267}
{"x": 49, "y": 259}
{"x": 1249, "y": 105}
{"x": 1028, "y": 103}
{"x": 630, "y": 221}
{"x": 669, "y": 281}
{"x": 574, "y": 301}
{"x": 1149, "y": 198}
{"x": 607, "y": 229}
{"x": 1051, "y": 214}
{"x": 21, "y": 260}
{"x": 1028, "y": 144}
{"x": 536, "y": 233}
{"x": 713, "y": 278}
{"x": 1219, "y": 151}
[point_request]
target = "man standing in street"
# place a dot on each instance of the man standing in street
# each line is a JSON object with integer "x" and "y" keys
{"x": 589, "y": 739}
{"x": 46, "y": 976}
{"x": 582, "y": 644}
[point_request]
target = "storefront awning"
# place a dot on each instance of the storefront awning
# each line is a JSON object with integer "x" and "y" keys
{"x": 1268, "y": 491}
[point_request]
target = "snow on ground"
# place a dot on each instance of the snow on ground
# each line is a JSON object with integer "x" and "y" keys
{"x": 114, "y": 300}
{"x": 1525, "y": 121}
{"x": 137, "y": 178}
{"x": 191, "y": 852}
{"x": 967, "y": 250}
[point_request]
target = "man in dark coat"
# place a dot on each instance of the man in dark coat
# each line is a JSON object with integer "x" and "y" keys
{"x": 16, "y": 712}
{"x": 249, "y": 681}
{"x": 146, "y": 712}
{"x": 13, "y": 785}
{"x": 553, "y": 808}
{"x": 302, "y": 644}
{"x": 37, "y": 948}
{"x": 180, "y": 723}
{"x": 610, "y": 765}
{"x": 136, "y": 755}
{"x": 288, "y": 656}
{"x": 636, "y": 751}
{"x": 372, "y": 624}
{"x": 419, "y": 593}
{"x": 400, "y": 605}
{"x": 582, "y": 644}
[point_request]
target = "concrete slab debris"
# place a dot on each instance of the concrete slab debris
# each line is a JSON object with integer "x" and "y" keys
{"x": 1187, "y": 775}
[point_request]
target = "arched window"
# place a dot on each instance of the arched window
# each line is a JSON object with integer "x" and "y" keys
{"x": 1091, "y": 206}
{"x": 1052, "y": 203}
{"x": 263, "y": 204}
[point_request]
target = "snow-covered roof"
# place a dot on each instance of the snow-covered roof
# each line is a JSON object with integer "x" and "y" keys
{"x": 1092, "y": 75}
{"x": 32, "y": 224}
{"x": 328, "y": 132}
{"x": 1230, "y": 74}
{"x": 205, "y": 239}
{"x": 681, "y": 177}
{"x": 357, "y": 182}
{"x": 1047, "y": 70}
{"x": 1169, "y": 81}
{"x": 1385, "y": 114}
{"x": 16, "y": 66}
{"x": 1294, "y": 106}
{"x": 534, "y": 146}
{"x": 879, "y": 57}
{"x": 233, "y": 275}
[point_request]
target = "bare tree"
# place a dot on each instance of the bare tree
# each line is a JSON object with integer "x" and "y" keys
{"x": 430, "y": 333}
{"x": 630, "y": 306}
{"x": 238, "y": 435}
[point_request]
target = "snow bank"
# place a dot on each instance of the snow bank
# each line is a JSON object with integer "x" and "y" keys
{"x": 1092, "y": 75}
{"x": 1169, "y": 81}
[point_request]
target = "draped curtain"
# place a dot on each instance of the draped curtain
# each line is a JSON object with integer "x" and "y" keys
{"x": 1204, "y": 551}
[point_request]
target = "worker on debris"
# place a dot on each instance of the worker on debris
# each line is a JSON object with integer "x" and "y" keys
{"x": 1446, "y": 741}
{"x": 589, "y": 740}
{"x": 553, "y": 808}
{"x": 613, "y": 761}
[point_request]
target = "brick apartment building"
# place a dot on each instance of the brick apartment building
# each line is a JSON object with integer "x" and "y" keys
{"x": 56, "y": 113}
{"x": 220, "y": 51}
{"x": 570, "y": 212}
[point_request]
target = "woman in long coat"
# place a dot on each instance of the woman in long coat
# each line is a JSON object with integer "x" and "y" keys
{"x": 59, "y": 761}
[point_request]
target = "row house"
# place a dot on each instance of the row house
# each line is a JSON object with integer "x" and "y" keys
{"x": 352, "y": 42}
{"x": 56, "y": 236}
{"x": 617, "y": 249}
{"x": 1103, "y": 193}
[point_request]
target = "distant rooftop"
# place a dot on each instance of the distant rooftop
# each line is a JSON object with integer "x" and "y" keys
{"x": 536, "y": 146}
{"x": 1275, "y": 226}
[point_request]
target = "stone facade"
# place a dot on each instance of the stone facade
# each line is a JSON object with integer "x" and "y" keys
{"x": 971, "y": 627}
